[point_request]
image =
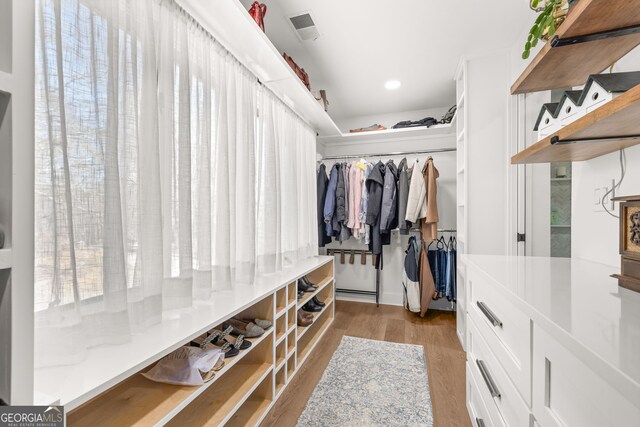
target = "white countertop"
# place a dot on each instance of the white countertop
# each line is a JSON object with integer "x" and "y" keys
{"x": 106, "y": 366}
{"x": 581, "y": 305}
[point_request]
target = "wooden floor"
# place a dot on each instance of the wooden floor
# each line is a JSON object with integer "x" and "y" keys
{"x": 436, "y": 332}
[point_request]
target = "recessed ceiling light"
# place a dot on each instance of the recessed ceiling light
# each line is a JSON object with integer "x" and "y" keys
{"x": 392, "y": 84}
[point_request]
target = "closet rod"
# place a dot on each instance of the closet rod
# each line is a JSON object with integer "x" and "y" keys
{"x": 396, "y": 153}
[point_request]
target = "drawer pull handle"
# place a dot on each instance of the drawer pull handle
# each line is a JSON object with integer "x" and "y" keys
{"x": 487, "y": 378}
{"x": 489, "y": 314}
{"x": 479, "y": 422}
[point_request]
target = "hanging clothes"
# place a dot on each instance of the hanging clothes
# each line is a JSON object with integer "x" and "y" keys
{"x": 388, "y": 214}
{"x": 355, "y": 195}
{"x": 416, "y": 206}
{"x": 450, "y": 283}
{"x": 410, "y": 276}
{"x": 429, "y": 226}
{"x": 375, "y": 186}
{"x": 322, "y": 184}
{"x": 365, "y": 229}
{"x": 330, "y": 202}
{"x": 403, "y": 197}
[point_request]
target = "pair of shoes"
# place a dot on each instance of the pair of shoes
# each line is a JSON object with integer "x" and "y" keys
{"x": 305, "y": 285}
{"x": 316, "y": 301}
{"x": 264, "y": 324}
{"x": 229, "y": 345}
{"x": 311, "y": 307}
{"x": 304, "y": 319}
{"x": 240, "y": 327}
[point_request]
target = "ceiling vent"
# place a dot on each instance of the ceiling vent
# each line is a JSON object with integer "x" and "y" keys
{"x": 304, "y": 25}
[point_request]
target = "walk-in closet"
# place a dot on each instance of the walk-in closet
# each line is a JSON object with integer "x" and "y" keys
{"x": 305, "y": 213}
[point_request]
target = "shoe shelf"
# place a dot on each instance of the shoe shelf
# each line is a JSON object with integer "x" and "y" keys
{"x": 571, "y": 64}
{"x": 606, "y": 129}
{"x": 309, "y": 295}
{"x": 316, "y": 331}
{"x": 240, "y": 394}
{"x": 281, "y": 301}
{"x": 304, "y": 329}
{"x": 280, "y": 379}
{"x": 156, "y": 403}
{"x": 281, "y": 353}
{"x": 255, "y": 407}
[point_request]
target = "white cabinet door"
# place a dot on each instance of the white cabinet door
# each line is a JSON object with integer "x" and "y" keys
{"x": 567, "y": 393}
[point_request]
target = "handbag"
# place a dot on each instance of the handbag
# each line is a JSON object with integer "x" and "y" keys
{"x": 302, "y": 75}
{"x": 257, "y": 12}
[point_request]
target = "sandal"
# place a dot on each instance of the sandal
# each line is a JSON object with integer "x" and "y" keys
{"x": 208, "y": 376}
{"x": 225, "y": 336}
{"x": 264, "y": 324}
{"x": 249, "y": 330}
{"x": 227, "y": 348}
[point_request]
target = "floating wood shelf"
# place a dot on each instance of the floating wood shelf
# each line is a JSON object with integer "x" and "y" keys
{"x": 570, "y": 65}
{"x": 609, "y": 128}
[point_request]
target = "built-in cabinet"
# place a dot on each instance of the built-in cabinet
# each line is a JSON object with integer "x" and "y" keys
{"x": 542, "y": 351}
{"x": 243, "y": 391}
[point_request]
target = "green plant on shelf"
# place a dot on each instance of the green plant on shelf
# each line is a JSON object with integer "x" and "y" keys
{"x": 552, "y": 14}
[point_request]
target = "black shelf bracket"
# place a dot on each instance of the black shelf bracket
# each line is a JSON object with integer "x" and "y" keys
{"x": 555, "y": 140}
{"x": 602, "y": 35}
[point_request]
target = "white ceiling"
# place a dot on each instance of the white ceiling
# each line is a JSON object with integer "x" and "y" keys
{"x": 365, "y": 43}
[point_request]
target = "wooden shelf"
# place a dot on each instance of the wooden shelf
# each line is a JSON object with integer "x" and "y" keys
{"x": 5, "y": 258}
{"x": 233, "y": 27}
{"x": 149, "y": 403}
{"x": 304, "y": 329}
{"x": 559, "y": 67}
{"x": 618, "y": 117}
{"x": 393, "y": 134}
{"x": 308, "y": 295}
{"x": 306, "y": 345}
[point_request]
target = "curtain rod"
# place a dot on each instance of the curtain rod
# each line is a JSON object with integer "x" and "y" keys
{"x": 396, "y": 153}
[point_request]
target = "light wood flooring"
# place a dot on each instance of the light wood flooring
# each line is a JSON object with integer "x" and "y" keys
{"x": 436, "y": 332}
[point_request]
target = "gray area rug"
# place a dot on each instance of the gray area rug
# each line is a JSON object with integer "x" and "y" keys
{"x": 371, "y": 383}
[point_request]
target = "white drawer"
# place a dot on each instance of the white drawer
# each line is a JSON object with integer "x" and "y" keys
{"x": 505, "y": 328}
{"x": 494, "y": 381}
{"x": 567, "y": 393}
{"x": 478, "y": 410}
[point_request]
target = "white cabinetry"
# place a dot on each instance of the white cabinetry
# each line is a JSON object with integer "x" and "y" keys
{"x": 541, "y": 353}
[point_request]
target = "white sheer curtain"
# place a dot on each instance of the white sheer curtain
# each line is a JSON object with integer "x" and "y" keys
{"x": 286, "y": 187}
{"x": 153, "y": 185}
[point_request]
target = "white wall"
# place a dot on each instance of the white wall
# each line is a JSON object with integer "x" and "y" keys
{"x": 595, "y": 234}
{"x": 357, "y": 276}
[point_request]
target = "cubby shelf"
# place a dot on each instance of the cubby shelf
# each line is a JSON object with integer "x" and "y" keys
{"x": 302, "y": 330}
{"x": 570, "y": 65}
{"x": 5, "y": 258}
{"x": 166, "y": 399}
{"x": 609, "y": 128}
{"x": 309, "y": 295}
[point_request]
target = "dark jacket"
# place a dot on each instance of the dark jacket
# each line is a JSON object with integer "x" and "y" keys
{"x": 341, "y": 214}
{"x": 345, "y": 232}
{"x": 375, "y": 185}
{"x": 330, "y": 201}
{"x": 403, "y": 196}
{"x": 389, "y": 210}
{"x": 322, "y": 182}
